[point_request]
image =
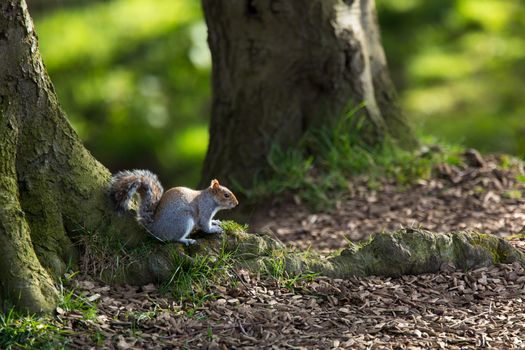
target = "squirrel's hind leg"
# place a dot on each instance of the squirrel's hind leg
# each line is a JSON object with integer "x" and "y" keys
{"x": 189, "y": 227}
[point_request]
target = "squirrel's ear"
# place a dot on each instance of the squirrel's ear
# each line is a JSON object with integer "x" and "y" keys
{"x": 215, "y": 183}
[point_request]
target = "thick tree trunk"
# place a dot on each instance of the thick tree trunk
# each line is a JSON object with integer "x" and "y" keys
{"x": 281, "y": 67}
{"x": 50, "y": 186}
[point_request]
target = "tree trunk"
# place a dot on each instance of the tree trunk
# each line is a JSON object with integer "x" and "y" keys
{"x": 281, "y": 67}
{"x": 50, "y": 186}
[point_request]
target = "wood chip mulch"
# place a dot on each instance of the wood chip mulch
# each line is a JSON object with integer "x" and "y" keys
{"x": 485, "y": 197}
{"x": 455, "y": 310}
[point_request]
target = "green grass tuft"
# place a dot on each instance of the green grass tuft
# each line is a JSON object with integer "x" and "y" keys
{"x": 340, "y": 153}
{"x": 72, "y": 301}
{"x": 19, "y": 331}
{"x": 29, "y": 331}
{"x": 192, "y": 278}
{"x": 275, "y": 268}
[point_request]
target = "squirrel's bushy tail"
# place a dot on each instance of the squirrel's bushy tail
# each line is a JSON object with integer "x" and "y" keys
{"x": 126, "y": 183}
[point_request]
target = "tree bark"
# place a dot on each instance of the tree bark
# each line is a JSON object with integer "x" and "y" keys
{"x": 281, "y": 67}
{"x": 51, "y": 188}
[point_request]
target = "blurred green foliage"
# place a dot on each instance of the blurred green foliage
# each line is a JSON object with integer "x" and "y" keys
{"x": 460, "y": 67}
{"x": 134, "y": 75}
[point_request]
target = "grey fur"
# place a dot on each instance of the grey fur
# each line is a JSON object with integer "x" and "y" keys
{"x": 125, "y": 184}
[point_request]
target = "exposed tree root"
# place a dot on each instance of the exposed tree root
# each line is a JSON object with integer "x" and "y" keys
{"x": 407, "y": 251}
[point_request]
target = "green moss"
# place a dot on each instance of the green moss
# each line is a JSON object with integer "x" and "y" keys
{"x": 230, "y": 226}
{"x": 414, "y": 251}
{"x": 397, "y": 253}
{"x": 25, "y": 283}
{"x": 500, "y": 249}
{"x": 517, "y": 236}
{"x": 251, "y": 245}
{"x": 488, "y": 243}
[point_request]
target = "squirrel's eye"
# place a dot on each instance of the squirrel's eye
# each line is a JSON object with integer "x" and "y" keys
{"x": 226, "y": 195}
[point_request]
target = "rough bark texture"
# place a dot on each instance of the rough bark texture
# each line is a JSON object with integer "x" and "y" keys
{"x": 51, "y": 188}
{"x": 281, "y": 67}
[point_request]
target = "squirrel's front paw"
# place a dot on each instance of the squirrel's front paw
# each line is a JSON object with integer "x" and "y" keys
{"x": 216, "y": 222}
{"x": 188, "y": 241}
{"x": 215, "y": 229}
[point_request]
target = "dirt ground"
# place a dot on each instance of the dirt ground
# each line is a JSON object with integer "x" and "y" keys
{"x": 449, "y": 310}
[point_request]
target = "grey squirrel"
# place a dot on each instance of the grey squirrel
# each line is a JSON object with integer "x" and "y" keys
{"x": 171, "y": 215}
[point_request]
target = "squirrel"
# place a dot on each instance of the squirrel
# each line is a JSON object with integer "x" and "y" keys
{"x": 171, "y": 215}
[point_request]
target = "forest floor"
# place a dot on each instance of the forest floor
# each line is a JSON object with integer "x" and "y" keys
{"x": 488, "y": 197}
{"x": 447, "y": 310}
